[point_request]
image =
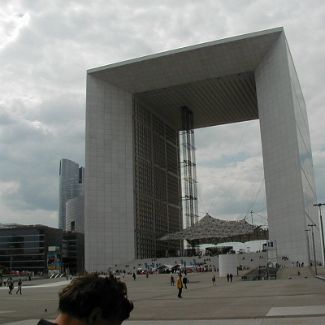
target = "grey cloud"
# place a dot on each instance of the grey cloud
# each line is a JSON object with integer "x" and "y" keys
{"x": 232, "y": 190}
{"x": 44, "y": 73}
{"x": 222, "y": 144}
{"x": 30, "y": 156}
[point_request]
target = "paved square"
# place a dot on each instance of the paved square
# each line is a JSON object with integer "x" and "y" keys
{"x": 156, "y": 302}
{"x": 295, "y": 311}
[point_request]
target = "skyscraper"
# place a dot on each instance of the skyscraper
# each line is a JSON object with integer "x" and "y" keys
{"x": 70, "y": 186}
{"x": 75, "y": 214}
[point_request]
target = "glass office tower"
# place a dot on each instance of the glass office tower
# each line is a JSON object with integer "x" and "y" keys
{"x": 70, "y": 186}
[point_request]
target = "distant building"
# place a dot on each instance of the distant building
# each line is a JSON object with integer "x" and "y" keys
{"x": 75, "y": 214}
{"x": 73, "y": 252}
{"x": 70, "y": 186}
{"x": 30, "y": 248}
{"x": 25, "y": 248}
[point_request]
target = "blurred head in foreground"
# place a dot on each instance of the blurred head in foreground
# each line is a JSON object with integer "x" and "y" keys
{"x": 93, "y": 300}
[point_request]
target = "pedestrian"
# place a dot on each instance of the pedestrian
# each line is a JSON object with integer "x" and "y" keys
{"x": 179, "y": 285}
{"x": 147, "y": 274}
{"x": 10, "y": 286}
{"x": 91, "y": 299}
{"x": 20, "y": 283}
{"x": 172, "y": 281}
{"x": 134, "y": 276}
{"x": 213, "y": 280}
{"x": 228, "y": 277}
{"x": 185, "y": 281}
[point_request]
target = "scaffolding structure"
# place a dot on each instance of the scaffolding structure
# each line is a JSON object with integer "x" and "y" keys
{"x": 188, "y": 169}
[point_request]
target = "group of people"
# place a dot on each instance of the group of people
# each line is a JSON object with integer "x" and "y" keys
{"x": 11, "y": 285}
{"x": 229, "y": 278}
{"x": 298, "y": 264}
{"x": 97, "y": 300}
{"x": 181, "y": 283}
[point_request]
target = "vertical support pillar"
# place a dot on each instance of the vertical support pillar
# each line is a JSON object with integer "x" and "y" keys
{"x": 109, "y": 196}
{"x": 289, "y": 182}
{"x": 188, "y": 162}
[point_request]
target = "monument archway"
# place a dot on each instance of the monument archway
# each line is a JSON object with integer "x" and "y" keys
{"x": 133, "y": 118}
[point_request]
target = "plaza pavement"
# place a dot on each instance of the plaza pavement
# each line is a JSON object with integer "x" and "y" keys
{"x": 298, "y": 300}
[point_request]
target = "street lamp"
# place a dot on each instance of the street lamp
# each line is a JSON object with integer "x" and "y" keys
{"x": 319, "y": 205}
{"x": 308, "y": 245}
{"x": 313, "y": 239}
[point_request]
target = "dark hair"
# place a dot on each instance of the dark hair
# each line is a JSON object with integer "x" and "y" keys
{"x": 87, "y": 293}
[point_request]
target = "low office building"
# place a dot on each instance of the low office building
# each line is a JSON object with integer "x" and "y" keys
{"x": 73, "y": 252}
{"x": 30, "y": 248}
{"x": 25, "y": 248}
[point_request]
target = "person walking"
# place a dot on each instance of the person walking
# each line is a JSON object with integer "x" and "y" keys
{"x": 179, "y": 285}
{"x": 213, "y": 280}
{"x": 20, "y": 283}
{"x": 10, "y": 286}
{"x": 172, "y": 281}
{"x": 185, "y": 281}
{"x": 230, "y": 276}
{"x": 134, "y": 276}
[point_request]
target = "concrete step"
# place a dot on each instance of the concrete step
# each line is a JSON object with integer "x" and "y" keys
{"x": 293, "y": 272}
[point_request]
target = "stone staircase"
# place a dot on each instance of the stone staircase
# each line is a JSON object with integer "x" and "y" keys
{"x": 292, "y": 272}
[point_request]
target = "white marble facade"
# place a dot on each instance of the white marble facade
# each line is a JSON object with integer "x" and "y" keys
{"x": 257, "y": 70}
{"x": 287, "y": 159}
{"x": 109, "y": 206}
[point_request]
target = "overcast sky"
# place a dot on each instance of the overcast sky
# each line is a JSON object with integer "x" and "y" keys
{"x": 47, "y": 46}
